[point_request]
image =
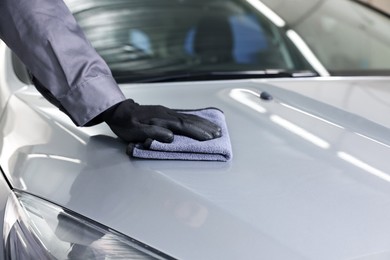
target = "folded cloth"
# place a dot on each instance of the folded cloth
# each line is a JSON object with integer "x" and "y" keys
{"x": 185, "y": 148}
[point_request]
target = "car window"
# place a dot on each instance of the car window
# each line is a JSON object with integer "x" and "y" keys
{"x": 347, "y": 37}
{"x": 140, "y": 39}
{"x": 150, "y": 37}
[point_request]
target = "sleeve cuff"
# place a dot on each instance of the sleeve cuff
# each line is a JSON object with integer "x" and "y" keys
{"x": 90, "y": 98}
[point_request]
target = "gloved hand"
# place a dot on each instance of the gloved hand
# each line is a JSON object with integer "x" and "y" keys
{"x": 135, "y": 123}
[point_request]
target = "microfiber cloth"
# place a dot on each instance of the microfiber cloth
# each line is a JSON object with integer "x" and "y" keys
{"x": 185, "y": 148}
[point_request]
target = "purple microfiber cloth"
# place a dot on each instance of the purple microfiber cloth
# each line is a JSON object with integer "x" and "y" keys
{"x": 185, "y": 148}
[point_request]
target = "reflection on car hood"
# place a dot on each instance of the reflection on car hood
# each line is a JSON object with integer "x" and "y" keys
{"x": 309, "y": 179}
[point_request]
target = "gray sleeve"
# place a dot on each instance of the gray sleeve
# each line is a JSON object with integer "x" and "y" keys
{"x": 46, "y": 37}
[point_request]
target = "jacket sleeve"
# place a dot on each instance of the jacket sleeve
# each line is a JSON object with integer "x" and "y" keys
{"x": 66, "y": 68}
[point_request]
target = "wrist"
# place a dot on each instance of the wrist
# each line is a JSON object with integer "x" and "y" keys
{"x": 119, "y": 111}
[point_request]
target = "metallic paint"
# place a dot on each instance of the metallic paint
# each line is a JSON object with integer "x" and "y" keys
{"x": 309, "y": 178}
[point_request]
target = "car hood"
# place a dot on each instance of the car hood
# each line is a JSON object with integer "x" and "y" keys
{"x": 309, "y": 179}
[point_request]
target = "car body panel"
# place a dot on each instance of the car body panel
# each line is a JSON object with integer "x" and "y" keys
{"x": 4, "y": 192}
{"x": 308, "y": 179}
{"x": 364, "y": 96}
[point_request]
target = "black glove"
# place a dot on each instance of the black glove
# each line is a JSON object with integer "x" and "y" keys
{"x": 135, "y": 123}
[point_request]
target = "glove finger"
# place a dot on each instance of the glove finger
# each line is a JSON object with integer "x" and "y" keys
{"x": 181, "y": 127}
{"x": 158, "y": 133}
{"x": 143, "y": 132}
{"x": 177, "y": 121}
{"x": 202, "y": 123}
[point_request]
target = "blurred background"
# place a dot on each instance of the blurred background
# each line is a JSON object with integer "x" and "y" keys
{"x": 384, "y": 5}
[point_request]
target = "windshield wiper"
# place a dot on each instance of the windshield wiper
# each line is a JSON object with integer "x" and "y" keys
{"x": 215, "y": 75}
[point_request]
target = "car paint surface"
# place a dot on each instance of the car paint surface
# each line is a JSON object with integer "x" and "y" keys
{"x": 4, "y": 191}
{"x": 309, "y": 178}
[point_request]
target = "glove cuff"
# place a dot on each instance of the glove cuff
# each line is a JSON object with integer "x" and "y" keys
{"x": 119, "y": 111}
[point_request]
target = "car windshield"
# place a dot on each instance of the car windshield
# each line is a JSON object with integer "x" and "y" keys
{"x": 145, "y": 39}
{"x": 347, "y": 37}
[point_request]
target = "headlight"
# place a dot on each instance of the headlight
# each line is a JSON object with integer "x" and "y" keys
{"x": 37, "y": 229}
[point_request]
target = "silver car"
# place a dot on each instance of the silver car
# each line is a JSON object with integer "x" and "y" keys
{"x": 305, "y": 89}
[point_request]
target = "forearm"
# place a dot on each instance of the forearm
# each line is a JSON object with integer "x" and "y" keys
{"x": 45, "y": 36}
